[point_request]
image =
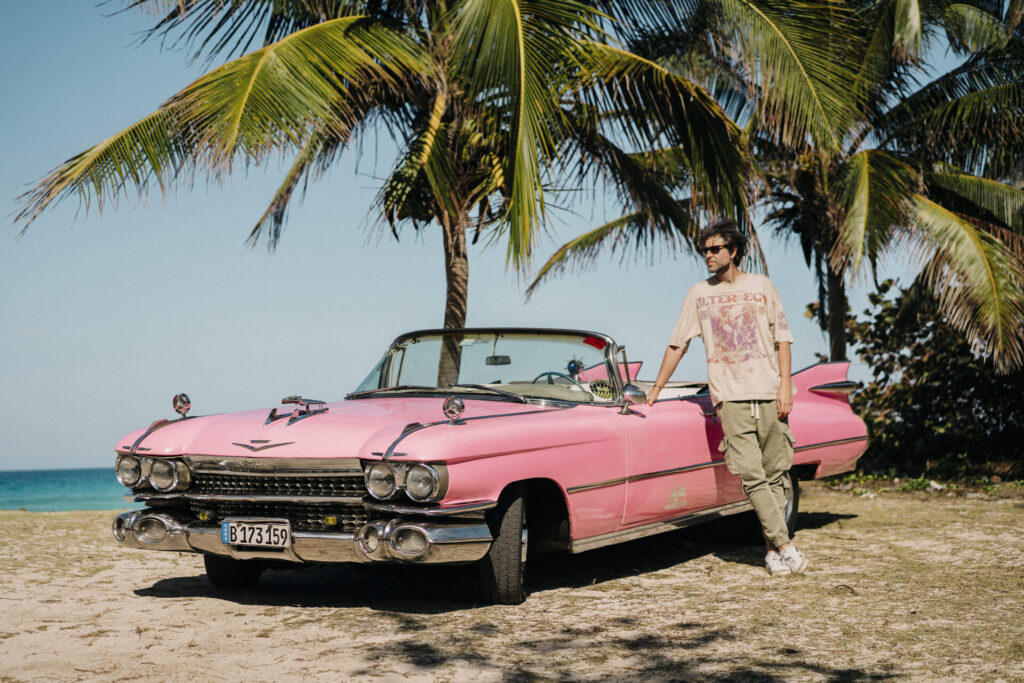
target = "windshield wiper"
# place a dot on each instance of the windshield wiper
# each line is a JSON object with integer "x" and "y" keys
{"x": 484, "y": 387}
{"x": 400, "y": 387}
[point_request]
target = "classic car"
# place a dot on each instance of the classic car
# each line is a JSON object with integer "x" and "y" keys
{"x": 461, "y": 446}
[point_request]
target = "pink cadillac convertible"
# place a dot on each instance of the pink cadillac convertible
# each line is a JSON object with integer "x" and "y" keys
{"x": 461, "y": 446}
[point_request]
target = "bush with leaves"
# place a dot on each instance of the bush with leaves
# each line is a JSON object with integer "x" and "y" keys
{"x": 934, "y": 407}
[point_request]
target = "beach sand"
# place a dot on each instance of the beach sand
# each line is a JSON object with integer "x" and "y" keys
{"x": 900, "y": 586}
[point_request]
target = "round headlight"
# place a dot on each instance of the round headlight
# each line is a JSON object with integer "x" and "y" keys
{"x": 420, "y": 482}
{"x": 128, "y": 470}
{"x": 380, "y": 481}
{"x": 163, "y": 475}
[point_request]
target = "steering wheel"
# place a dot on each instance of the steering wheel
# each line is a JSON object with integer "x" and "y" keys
{"x": 550, "y": 374}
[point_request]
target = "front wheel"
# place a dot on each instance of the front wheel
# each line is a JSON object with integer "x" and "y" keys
{"x": 503, "y": 569}
{"x": 229, "y": 573}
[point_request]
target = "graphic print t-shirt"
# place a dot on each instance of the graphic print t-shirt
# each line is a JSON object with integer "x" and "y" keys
{"x": 740, "y": 323}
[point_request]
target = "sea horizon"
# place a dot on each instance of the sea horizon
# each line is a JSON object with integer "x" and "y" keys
{"x": 62, "y": 489}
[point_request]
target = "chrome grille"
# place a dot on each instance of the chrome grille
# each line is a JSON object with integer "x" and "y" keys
{"x": 269, "y": 485}
{"x": 302, "y": 517}
{"x": 305, "y": 516}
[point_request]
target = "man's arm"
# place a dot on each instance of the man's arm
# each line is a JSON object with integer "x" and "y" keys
{"x": 673, "y": 354}
{"x": 785, "y": 397}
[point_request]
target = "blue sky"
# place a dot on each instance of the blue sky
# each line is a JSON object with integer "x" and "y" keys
{"x": 104, "y": 318}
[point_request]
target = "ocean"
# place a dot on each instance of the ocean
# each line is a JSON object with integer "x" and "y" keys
{"x": 53, "y": 490}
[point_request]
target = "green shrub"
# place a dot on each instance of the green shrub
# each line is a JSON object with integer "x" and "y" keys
{"x": 933, "y": 408}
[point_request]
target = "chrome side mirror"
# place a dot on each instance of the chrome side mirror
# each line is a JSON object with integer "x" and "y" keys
{"x": 631, "y": 396}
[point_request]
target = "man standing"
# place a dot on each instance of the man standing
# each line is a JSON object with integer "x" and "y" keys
{"x": 747, "y": 340}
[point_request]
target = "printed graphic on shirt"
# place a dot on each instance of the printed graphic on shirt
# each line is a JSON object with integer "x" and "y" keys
{"x": 732, "y": 320}
{"x": 781, "y": 324}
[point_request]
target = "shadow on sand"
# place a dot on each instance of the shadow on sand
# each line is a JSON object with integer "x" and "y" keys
{"x": 408, "y": 598}
{"x": 434, "y": 589}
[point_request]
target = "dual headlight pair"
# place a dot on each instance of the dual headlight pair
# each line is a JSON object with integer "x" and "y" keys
{"x": 162, "y": 474}
{"x": 421, "y": 482}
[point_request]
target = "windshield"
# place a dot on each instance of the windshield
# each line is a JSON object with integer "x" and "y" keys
{"x": 562, "y": 366}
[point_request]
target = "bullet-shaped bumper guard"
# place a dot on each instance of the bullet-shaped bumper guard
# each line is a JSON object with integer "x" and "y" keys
{"x": 445, "y": 543}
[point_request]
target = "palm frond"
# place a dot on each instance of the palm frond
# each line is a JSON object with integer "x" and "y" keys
{"x": 317, "y": 151}
{"x": 874, "y": 189}
{"x": 978, "y": 282}
{"x": 273, "y": 99}
{"x": 806, "y": 81}
{"x": 1014, "y": 14}
{"x": 975, "y": 28}
{"x": 631, "y": 232}
{"x": 654, "y": 104}
{"x": 971, "y": 116}
{"x": 280, "y": 95}
{"x": 147, "y": 151}
{"x": 907, "y": 29}
{"x": 1004, "y": 203}
{"x": 508, "y": 50}
{"x": 228, "y": 29}
{"x": 692, "y": 49}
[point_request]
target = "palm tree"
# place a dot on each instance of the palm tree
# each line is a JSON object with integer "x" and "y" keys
{"x": 926, "y": 171}
{"x": 494, "y": 106}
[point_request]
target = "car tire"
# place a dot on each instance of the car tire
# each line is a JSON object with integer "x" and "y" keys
{"x": 503, "y": 569}
{"x": 792, "y": 510}
{"x": 229, "y": 573}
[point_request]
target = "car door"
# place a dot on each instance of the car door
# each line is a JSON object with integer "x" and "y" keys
{"x": 730, "y": 489}
{"x": 672, "y": 461}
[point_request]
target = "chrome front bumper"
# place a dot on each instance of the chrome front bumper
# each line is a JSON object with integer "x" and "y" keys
{"x": 375, "y": 542}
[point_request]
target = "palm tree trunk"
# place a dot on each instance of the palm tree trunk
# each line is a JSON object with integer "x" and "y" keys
{"x": 836, "y": 315}
{"x": 456, "y": 264}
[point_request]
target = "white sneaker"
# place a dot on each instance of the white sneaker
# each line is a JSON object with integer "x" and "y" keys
{"x": 793, "y": 559}
{"x": 774, "y": 565}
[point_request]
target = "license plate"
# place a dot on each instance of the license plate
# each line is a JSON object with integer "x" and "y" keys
{"x": 261, "y": 534}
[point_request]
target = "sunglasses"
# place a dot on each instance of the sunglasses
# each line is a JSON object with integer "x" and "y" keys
{"x": 715, "y": 249}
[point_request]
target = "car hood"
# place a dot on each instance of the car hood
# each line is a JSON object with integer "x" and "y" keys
{"x": 362, "y": 428}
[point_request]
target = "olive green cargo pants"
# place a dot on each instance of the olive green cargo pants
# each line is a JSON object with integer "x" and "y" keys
{"x": 758, "y": 449}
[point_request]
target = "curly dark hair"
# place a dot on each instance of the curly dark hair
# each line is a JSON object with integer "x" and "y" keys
{"x": 726, "y": 229}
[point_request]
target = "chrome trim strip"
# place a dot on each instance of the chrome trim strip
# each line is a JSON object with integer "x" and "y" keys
{"x": 463, "y": 420}
{"x": 232, "y": 498}
{"x": 598, "y": 485}
{"x": 661, "y": 526}
{"x": 149, "y": 430}
{"x": 843, "y": 388}
{"x": 446, "y": 544}
{"x": 645, "y": 475}
{"x": 299, "y": 467}
{"x": 825, "y": 444}
{"x": 675, "y": 470}
{"x": 477, "y": 506}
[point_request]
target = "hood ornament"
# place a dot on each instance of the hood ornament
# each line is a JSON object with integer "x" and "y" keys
{"x": 306, "y": 407}
{"x": 262, "y": 445}
{"x": 453, "y": 408}
{"x": 182, "y": 404}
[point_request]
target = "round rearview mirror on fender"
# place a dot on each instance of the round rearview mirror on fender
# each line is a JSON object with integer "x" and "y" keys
{"x": 631, "y": 396}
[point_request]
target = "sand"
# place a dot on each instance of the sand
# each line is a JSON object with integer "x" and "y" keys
{"x": 902, "y": 586}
